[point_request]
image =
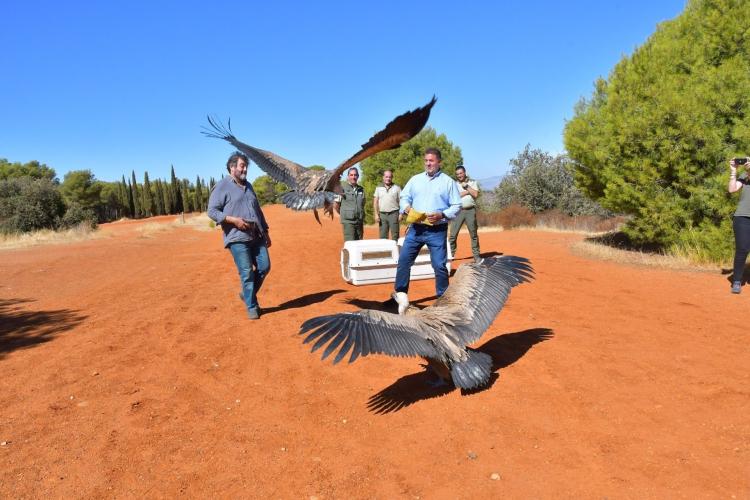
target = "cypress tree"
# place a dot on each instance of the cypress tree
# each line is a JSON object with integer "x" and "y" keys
{"x": 177, "y": 199}
{"x": 198, "y": 195}
{"x": 148, "y": 199}
{"x": 137, "y": 211}
{"x": 158, "y": 198}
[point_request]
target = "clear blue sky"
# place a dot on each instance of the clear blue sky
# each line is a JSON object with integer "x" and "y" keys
{"x": 120, "y": 86}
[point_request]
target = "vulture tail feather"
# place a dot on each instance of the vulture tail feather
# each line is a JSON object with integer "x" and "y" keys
{"x": 473, "y": 372}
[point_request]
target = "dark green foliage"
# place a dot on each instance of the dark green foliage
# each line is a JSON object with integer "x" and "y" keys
{"x": 137, "y": 211}
{"x": 406, "y": 161}
{"x": 80, "y": 186}
{"x": 199, "y": 204}
{"x": 28, "y": 204}
{"x": 540, "y": 182}
{"x": 268, "y": 190}
{"x": 175, "y": 195}
{"x": 148, "y": 197}
{"x": 110, "y": 206}
{"x": 76, "y": 214}
{"x": 654, "y": 139}
{"x": 158, "y": 198}
{"x": 32, "y": 169}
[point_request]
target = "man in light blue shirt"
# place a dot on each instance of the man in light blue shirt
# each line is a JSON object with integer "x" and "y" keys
{"x": 436, "y": 195}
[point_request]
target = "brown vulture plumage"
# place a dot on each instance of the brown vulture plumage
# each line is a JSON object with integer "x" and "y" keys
{"x": 440, "y": 332}
{"x": 313, "y": 189}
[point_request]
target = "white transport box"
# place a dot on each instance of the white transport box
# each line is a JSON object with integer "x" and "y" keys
{"x": 365, "y": 262}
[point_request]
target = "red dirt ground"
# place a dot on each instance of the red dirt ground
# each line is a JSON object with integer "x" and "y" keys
{"x": 128, "y": 369}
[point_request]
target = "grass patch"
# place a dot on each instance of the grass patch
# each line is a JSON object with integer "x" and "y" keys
{"x": 198, "y": 222}
{"x": 81, "y": 232}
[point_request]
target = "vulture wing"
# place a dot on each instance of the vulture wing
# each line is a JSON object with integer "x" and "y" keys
{"x": 477, "y": 294}
{"x": 368, "y": 332}
{"x": 280, "y": 169}
{"x": 399, "y": 130}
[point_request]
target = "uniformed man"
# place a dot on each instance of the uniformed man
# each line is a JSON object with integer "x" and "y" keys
{"x": 350, "y": 206}
{"x": 469, "y": 190}
{"x": 385, "y": 206}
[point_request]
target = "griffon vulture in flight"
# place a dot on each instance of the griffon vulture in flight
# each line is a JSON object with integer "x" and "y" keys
{"x": 313, "y": 189}
{"x": 440, "y": 332}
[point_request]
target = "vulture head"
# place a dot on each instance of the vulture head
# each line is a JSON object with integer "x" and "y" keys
{"x": 440, "y": 332}
{"x": 312, "y": 189}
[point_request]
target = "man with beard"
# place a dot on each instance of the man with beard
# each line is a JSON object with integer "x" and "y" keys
{"x": 235, "y": 207}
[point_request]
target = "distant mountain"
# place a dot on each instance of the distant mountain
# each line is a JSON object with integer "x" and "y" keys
{"x": 489, "y": 183}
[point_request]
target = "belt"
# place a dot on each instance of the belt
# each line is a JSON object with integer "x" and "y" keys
{"x": 468, "y": 208}
{"x": 390, "y": 212}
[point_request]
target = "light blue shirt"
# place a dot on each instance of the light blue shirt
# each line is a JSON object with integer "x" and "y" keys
{"x": 438, "y": 193}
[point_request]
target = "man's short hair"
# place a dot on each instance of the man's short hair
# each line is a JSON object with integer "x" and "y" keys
{"x": 232, "y": 161}
{"x": 350, "y": 169}
{"x": 433, "y": 151}
{"x": 460, "y": 167}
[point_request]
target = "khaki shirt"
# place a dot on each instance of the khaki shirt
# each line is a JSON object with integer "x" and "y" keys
{"x": 388, "y": 197}
{"x": 468, "y": 201}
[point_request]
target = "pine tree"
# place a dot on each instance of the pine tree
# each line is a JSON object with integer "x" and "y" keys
{"x": 655, "y": 138}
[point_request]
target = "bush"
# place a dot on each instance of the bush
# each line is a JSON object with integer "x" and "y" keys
{"x": 76, "y": 215}
{"x": 27, "y": 204}
{"x": 541, "y": 182}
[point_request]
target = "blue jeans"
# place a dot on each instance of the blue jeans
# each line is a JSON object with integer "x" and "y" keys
{"x": 249, "y": 255}
{"x": 417, "y": 236}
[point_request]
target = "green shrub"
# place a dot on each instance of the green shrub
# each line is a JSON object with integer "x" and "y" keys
{"x": 27, "y": 204}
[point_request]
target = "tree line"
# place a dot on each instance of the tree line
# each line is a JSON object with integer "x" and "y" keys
{"x": 32, "y": 197}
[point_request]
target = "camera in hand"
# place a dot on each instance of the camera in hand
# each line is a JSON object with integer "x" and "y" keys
{"x": 740, "y": 161}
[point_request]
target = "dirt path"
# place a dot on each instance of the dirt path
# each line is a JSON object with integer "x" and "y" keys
{"x": 128, "y": 369}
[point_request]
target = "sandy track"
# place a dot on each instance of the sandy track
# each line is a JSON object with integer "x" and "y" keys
{"x": 128, "y": 369}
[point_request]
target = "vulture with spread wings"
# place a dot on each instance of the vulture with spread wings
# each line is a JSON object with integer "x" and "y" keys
{"x": 313, "y": 189}
{"x": 440, "y": 332}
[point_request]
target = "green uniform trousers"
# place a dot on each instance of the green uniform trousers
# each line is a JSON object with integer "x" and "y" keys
{"x": 353, "y": 230}
{"x": 466, "y": 216}
{"x": 389, "y": 222}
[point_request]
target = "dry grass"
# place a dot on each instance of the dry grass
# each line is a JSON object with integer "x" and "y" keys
{"x": 198, "y": 222}
{"x": 81, "y": 232}
{"x": 590, "y": 249}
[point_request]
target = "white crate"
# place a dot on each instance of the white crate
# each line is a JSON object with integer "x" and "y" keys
{"x": 365, "y": 262}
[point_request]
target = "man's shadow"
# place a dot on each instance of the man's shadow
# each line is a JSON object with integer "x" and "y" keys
{"x": 745, "y": 275}
{"x": 504, "y": 350}
{"x": 21, "y": 329}
{"x": 303, "y": 301}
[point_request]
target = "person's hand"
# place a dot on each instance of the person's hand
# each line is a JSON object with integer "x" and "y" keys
{"x": 377, "y": 218}
{"x": 434, "y": 217}
{"x": 238, "y": 222}
{"x": 268, "y": 240}
{"x": 401, "y": 217}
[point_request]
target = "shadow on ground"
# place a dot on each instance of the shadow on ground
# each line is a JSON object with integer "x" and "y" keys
{"x": 21, "y": 328}
{"x": 504, "y": 349}
{"x": 303, "y": 301}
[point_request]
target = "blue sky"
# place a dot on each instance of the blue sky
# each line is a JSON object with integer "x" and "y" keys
{"x": 120, "y": 86}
